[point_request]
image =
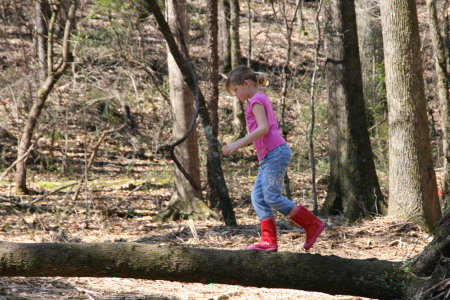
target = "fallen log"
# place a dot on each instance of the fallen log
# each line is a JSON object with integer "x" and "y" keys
{"x": 311, "y": 272}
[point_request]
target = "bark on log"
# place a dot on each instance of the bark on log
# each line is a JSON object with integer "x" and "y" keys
{"x": 311, "y": 272}
{"x": 427, "y": 262}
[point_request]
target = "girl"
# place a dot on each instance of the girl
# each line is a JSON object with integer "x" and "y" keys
{"x": 274, "y": 155}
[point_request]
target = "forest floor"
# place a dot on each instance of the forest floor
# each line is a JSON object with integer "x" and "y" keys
{"x": 54, "y": 218}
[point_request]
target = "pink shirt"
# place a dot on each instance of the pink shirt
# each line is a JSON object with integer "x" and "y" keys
{"x": 273, "y": 138}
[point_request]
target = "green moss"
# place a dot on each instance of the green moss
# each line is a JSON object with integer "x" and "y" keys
{"x": 51, "y": 185}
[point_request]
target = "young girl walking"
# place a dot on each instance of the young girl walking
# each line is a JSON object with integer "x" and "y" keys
{"x": 274, "y": 156}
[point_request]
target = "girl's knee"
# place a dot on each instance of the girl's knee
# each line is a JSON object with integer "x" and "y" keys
{"x": 256, "y": 198}
{"x": 274, "y": 199}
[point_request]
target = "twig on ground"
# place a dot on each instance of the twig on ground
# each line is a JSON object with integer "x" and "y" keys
{"x": 52, "y": 192}
{"x": 10, "y": 200}
{"x": 131, "y": 192}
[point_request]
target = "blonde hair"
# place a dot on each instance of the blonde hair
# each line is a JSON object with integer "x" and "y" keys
{"x": 241, "y": 73}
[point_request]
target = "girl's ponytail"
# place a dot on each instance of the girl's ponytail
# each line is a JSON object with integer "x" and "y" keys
{"x": 261, "y": 78}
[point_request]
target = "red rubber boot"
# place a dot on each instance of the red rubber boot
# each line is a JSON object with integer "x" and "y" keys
{"x": 312, "y": 225}
{"x": 268, "y": 237}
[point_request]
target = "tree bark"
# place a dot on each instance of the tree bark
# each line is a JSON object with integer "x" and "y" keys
{"x": 213, "y": 65}
{"x": 353, "y": 189}
{"x": 311, "y": 272}
{"x": 426, "y": 262}
{"x": 329, "y": 274}
{"x": 190, "y": 78}
{"x": 443, "y": 94}
{"x": 412, "y": 180}
{"x": 213, "y": 91}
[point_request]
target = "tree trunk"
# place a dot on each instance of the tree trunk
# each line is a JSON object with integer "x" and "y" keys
{"x": 328, "y": 274}
{"x": 412, "y": 180}
{"x": 54, "y": 72}
{"x": 370, "y": 40}
{"x": 353, "y": 189}
{"x": 312, "y": 96}
{"x": 213, "y": 153}
{"x": 186, "y": 201}
{"x": 27, "y": 135}
{"x": 42, "y": 10}
{"x": 300, "y": 21}
{"x": 447, "y": 27}
{"x": 234, "y": 34}
{"x": 213, "y": 91}
{"x": 239, "y": 127}
{"x": 213, "y": 65}
{"x": 224, "y": 35}
{"x": 439, "y": 248}
{"x": 443, "y": 95}
{"x": 311, "y": 272}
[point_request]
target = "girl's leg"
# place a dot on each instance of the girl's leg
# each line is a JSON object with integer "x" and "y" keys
{"x": 267, "y": 221}
{"x": 273, "y": 168}
{"x": 263, "y": 210}
{"x": 313, "y": 226}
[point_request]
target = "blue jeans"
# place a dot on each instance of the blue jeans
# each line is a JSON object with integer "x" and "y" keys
{"x": 266, "y": 193}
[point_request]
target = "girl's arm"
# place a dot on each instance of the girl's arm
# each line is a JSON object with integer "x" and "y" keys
{"x": 263, "y": 129}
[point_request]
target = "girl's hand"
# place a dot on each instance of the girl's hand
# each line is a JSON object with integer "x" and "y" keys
{"x": 231, "y": 148}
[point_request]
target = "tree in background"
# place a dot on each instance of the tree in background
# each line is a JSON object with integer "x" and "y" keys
{"x": 189, "y": 76}
{"x": 213, "y": 91}
{"x": 42, "y": 10}
{"x": 443, "y": 95}
{"x": 353, "y": 188}
{"x": 300, "y": 20}
{"x": 285, "y": 69}
{"x": 412, "y": 180}
{"x": 224, "y": 35}
{"x": 238, "y": 107}
{"x": 51, "y": 71}
{"x": 186, "y": 200}
{"x": 234, "y": 33}
{"x": 370, "y": 40}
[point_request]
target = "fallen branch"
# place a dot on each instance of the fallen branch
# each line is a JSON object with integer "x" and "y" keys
{"x": 130, "y": 212}
{"x": 52, "y": 192}
{"x": 312, "y": 272}
{"x": 9, "y": 200}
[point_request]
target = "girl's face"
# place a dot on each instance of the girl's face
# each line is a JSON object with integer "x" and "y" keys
{"x": 242, "y": 92}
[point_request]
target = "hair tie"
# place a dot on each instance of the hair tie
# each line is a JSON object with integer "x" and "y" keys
{"x": 256, "y": 73}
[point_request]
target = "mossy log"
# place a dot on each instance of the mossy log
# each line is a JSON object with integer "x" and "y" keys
{"x": 311, "y": 272}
